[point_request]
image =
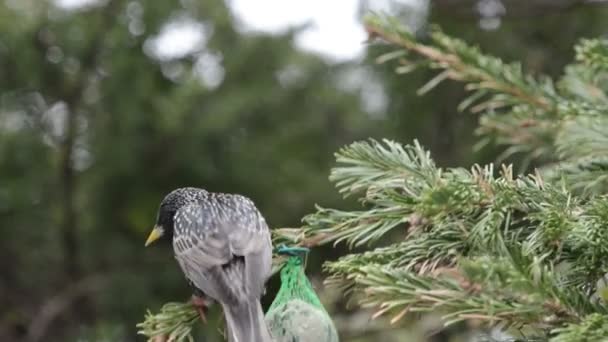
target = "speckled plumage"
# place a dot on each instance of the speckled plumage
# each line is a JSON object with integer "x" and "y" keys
{"x": 222, "y": 244}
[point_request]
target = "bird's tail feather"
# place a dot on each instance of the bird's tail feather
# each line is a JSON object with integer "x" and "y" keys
{"x": 245, "y": 322}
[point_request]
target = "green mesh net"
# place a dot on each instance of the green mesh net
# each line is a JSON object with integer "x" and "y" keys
{"x": 296, "y": 314}
{"x": 295, "y": 285}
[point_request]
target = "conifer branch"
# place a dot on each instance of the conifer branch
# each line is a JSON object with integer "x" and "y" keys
{"x": 480, "y": 244}
{"x": 173, "y": 323}
{"x": 520, "y": 110}
{"x": 592, "y": 328}
{"x": 593, "y": 52}
{"x": 514, "y": 251}
{"x": 466, "y": 64}
{"x": 485, "y": 289}
{"x": 529, "y": 115}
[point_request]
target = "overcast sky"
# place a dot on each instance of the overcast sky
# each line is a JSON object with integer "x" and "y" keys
{"x": 334, "y": 27}
{"x": 335, "y": 31}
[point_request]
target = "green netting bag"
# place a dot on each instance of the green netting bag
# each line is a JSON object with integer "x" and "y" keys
{"x": 296, "y": 314}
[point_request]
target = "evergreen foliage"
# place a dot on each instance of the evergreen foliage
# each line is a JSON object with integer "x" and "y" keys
{"x": 96, "y": 125}
{"x": 174, "y": 322}
{"x": 525, "y": 253}
{"x": 521, "y": 252}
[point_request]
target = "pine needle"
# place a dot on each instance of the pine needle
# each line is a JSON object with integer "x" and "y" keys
{"x": 174, "y": 323}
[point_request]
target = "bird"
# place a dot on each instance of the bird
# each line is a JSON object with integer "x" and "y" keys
{"x": 222, "y": 244}
{"x": 296, "y": 314}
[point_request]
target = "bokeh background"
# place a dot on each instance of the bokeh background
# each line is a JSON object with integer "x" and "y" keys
{"x": 107, "y": 105}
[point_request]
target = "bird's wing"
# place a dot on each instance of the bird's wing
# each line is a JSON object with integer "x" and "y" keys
{"x": 250, "y": 238}
{"x": 222, "y": 249}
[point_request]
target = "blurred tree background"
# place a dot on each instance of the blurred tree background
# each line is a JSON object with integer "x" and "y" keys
{"x": 98, "y": 123}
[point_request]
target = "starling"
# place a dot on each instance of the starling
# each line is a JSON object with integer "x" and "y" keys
{"x": 222, "y": 244}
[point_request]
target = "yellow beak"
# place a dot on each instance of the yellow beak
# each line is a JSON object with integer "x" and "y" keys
{"x": 155, "y": 234}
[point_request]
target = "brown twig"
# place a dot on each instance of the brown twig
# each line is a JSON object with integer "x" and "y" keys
{"x": 455, "y": 63}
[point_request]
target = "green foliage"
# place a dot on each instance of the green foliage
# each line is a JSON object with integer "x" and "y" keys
{"x": 485, "y": 289}
{"x": 528, "y": 114}
{"x": 593, "y": 52}
{"x": 374, "y": 168}
{"x": 514, "y": 251}
{"x": 517, "y": 252}
{"x": 495, "y": 86}
{"x": 95, "y": 129}
{"x": 592, "y": 328}
{"x": 174, "y": 322}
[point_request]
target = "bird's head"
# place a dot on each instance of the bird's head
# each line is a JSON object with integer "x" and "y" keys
{"x": 167, "y": 209}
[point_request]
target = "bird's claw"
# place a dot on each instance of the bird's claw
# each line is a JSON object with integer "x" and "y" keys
{"x": 200, "y": 304}
{"x": 201, "y": 314}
